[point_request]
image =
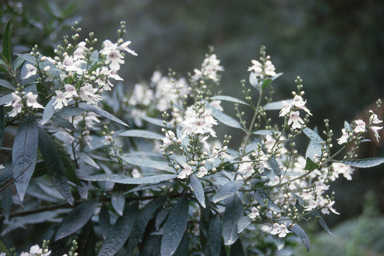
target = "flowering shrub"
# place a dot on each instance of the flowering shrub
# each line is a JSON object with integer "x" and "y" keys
{"x": 170, "y": 186}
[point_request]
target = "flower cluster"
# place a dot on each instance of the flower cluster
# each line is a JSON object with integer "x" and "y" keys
{"x": 209, "y": 69}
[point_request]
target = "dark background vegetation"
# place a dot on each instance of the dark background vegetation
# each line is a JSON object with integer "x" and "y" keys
{"x": 336, "y": 47}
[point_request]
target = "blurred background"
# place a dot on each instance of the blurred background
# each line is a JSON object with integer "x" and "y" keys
{"x": 336, "y": 47}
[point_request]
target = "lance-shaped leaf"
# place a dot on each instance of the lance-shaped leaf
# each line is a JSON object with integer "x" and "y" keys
{"x": 86, "y": 158}
{"x": 276, "y": 105}
{"x": 228, "y": 190}
{"x": 175, "y": 227}
{"x": 160, "y": 217}
{"x": 314, "y": 147}
{"x": 279, "y": 242}
{"x": 182, "y": 249}
{"x": 229, "y": 98}
{"x": 365, "y": 163}
{"x": 7, "y": 85}
{"x": 313, "y": 135}
{"x": 263, "y": 132}
{"x": 142, "y": 134}
{"x": 267, "y": 82}
{"x": 101, "y": 112}
{"x": 254, "y": 81}
{"x": 151, "y": 246}
{"x": 260, "y": 196}
{"x": 243, "y": 223}
{"x": 144, "y": 217}
{"x": 275, "y": 166}
{"x": 154, "y": 121}
{"x": 104, "y": 221}
{"x": 310, "y": 165}
{"x": 17, "y": 63}
{"x": 118, "y": 201}
{"x": 224, "y": 118}
{"x": 68, "y": 166}
{"x": 6, "y": 202}
{"x": 54, "y": 165}
{"x": 234, "y": 210}
{"x": 120, "y": 231}
{"x": 320, "y": 220}
{"x": 198, "y": 190}
{"x": 214, "y": 235}
{"x": 63, "y": 123}
{"x": 6, "y": 99}
{"x": 236, "y": 249}
{"x": 24, "y": 154}
{"x": 2, "y": 125}
{"x": 147, "y": 163}
{"x": 49, "y": 110}
{"x": 4, "y": 249}
{"x": 301, "y": 234}
{"x": 70, "y": 111}
{"x": 121, "y": 179}
{"x": 87, "y": 240}
{"x": 7, "y": 45}
{"x": 76, "y": 219}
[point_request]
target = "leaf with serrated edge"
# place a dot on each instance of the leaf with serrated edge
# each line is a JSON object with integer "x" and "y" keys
{"x": 182, "y": 249}
{"x": 228, "y": 190}
{"x": 243, "y": 223}
{"x": 6, "y": 202}
{"x": 365, "y": 163}
{"x": 175, "y": 227}
{"x": 7, "y": 85}
{"x": 302, "y": 235}
{"x": 120, "y": 231}
{"x": 198, "y": 190}
{"x": 142, "y": 134}
{"x": 54, "y": 165}
{"x": 76, "y": 219}
{"x": 121, "y": 179}
{"x": 24, "y": 154}
{"x": 214, "y": 237}
{"x": 145, "y": 162}
{"x": 49, "y": 111}
{"x": 104, "y": 221}
{"x": 229, "y": 98}
{"x": 224, "y": 118}
{"x": 118, "y": 201}
{"x": 144, "y": 217}
{"x": 234, "y": 210}
{"x": 86, "y": 158}
{"x": 101, "y": 112}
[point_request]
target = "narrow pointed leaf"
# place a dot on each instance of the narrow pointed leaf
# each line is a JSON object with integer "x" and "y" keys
{"x": 163, "y": 213}
{"x": 120, "y": 231}
{"x": 234, "y": 210}
{"x": 224, "y": 118}
{"x": 54, "y": 165}
{"x": 198, "y": 190}
{"x": 243, "y": 223}
{"x": 151, "y": 246}
{"x": 3, "y": 248}
{"x": 7, "y": 45}
{"x": 2, "y": 125}
{"x": 267, "y": 82}
{"x": 214, "y": 235}
{"x": 49, "y": 110}
{"x": 86, "y": 158}
{"x": 276, "y": 105}
{"x": 121, "y": 179}
{"x": 229, "y": 98}
{"x": 24, "y": 154}
{"x": 263, "y": 132}
{"x": 76, "y": 219}
{"x": 101, "y": 112}
{"x": 68, "y": 166}
{"x": 275, "y": 166}
{"x": 87, "y": 240}
{"x": 104, "y": 221}
{"x": 17, "y": 63}
{"x": 147, "y": 163}
{"x": 154, "y": 121}
{"x": 142, "y": 134}
{"x": 175, "y": 227}
{"x": 6, "y": 99}
{"x": 316, "y": 215}
{"x": 182, "y": 250}
{"x": 228, "y": 190}
{"x": 70, "y": 111}
{"x": 260, "y": 196}
{"x": 7, "y": 85}
{"x": 302, "y": 235}
{"x": 118, "y": 201}
{"x": 310, "y": 165}
{"x": 365, "y": 163}
{"x": 279, "y": 242}
{"x": 313, "y": 135}
{"x": 6, "y": 202}
{"x": 236, "y": 249}
{"x": 143, "y": 218}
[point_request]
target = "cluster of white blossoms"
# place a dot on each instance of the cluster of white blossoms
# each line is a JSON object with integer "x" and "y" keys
{"x": 209, "y": 69}
{"x": 291, "y": 109}
{"x": 17, "y": 103}
{"x": 198, "y": 121}
{"x": 260, "y": 70}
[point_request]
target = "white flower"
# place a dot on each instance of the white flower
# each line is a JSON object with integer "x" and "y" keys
{"x": 360, "y": 126}
{"x": 168, "y": 140}
{"x": 246, "y": 168}
{"x": 326, "y": 206}
{"x": 32, "y": 101}
{"x": 70, "y": 65}
{"x": 202, "y": 172}
{"x": 374, "y": 119}
{"x": 254, "y": 213}
{"x": 135, "y": 173}
{"x": 115, "y": 58}
{"x": 187, "y": 170}
{"x": 3, "y": 254}
{"x": 89, "y": 119}
{"x": 124, "y": 47}
{"x": 344, "y": 169}
{"x": 70, "y": 91}
{"x": 286, "y": 108}
{"x": 295, "y": 120}
{"x": 344, "y": 138}
{"x": 79, "y": 52}
{"x": 87, "y": 93}
{"x": 216, "y": 104}
{"x": 16, "y": 104}
{"x": 31, "y": 71}
{"x": 280, "y": 229}
{"x": 375, "y": 129}
{"x": 312, "y": 204}
{"x": 60, "y": 100}
{"x": 320, "y": 187}
{"x": 269, "y": 68}
{"x": 299, "y": 103}
{"x": 257, "y": 67}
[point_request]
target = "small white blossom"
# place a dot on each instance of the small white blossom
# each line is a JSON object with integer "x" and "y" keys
{"x": 295, "y": 120}
{"x": 360, "y": 126}
{"x": 375, "y": 129}
{"x": 254, "y": 213}
{"x": 136, "y": 173}
{"x": 60, "y": 100}
{"x": 32, "y": 101}
{"x": 202, "y": 172}
{"x": 373, "y": 119}
{"x": 344, "y": 138}
{"x": 279, "y": 229}
{"x": 187, "y": 170}
{"x": 31, "y": 71}
{"x": 124, "y": 47}
{"x": 70, "y": 91}
{"x": 343, "y": 169}
{"x": 286, "y": 108}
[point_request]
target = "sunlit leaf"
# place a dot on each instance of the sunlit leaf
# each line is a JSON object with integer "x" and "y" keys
{"x": 224, "y": 118}
{"x": 279, "y": 242}
{"x": 243, "y": 223}
{"x": 198, "y": 190}
{"x": 229, "y": 98}
{"x": 276, "y": 105}
{"x": 122, "y": 179}
{"x": 118, "y": 201}
{"x": 49, "y": 111}
{"x": 86, "y": 158}
{"x": 364, "y": 163}
{"x": 142, "y": 134}
{"x": 145, "y": 162}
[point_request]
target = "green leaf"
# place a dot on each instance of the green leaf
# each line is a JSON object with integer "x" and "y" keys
{"x": 224, "y": 118}
{"x": 54, "y": 165}
{"x": 7, "y": 44}
{"x": 120, "y": 231}
{"x": 198, "y": 190}
{"x": 76, "y": 219}
{"x": 236, "y": 249}
{"x": 122, "y": 179}
{"x": 310, "y": 165}
{"x": 118, "y": 201}
{"x": 144, "y": 217}
{"x": 68, "y": 166}
{"x": 69, "y": 111}
{"x": 7, "y": 85}
{"x": 214, "y": 237}
{"x": 243, "y": 223}
{"x": 365, "y": 163}
{"x": 24, "y": 154}
{"x": 183, "y": 248}
{"x": 145, "y": 162}
{"x": 175, "y": 227}
{"x": 229, "y": 98}
{"x": 234, "y": 210}
{"x": 104, "y": 221}
{"x": 87, "y": 240}
{"x": 17, "y": 63}
{"x": 267, "y": 82}
{"x": 260, "y": 196}
{"x": 6, "y": 202}
{"x": 279, "y": 242}
{"x": 302, "y": 235}
{"x": 49, "y": 111}
{"x": 6, "y": 99}
{"x": 276, "y": 105}
{"x": 86, "y": 158}
{"x": 142, "y": 134}
{"x": 101, "y": 112}
{"x": 4, "y": 249}
{"x": 228, "y": 190}
{"x": 2, "y": 125}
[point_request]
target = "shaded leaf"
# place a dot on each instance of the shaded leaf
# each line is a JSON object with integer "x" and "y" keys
{"x": 198, "y": 190}
{"x": 87, "y": 240}
{"x": 17, "y": 63}
{"x": 175, "y": 227}
{"x": 76, "y": 219}
{"x": 243, "y": 223}
{"x": 118, "y": 201}
{"x": 234, "y": 210}
{"x": 7, "y": 85}
{"x": 69, "y": 111}
{"x": 310, "y": 165}
{"x": 6, "y": 202}
{"x": 260, "y": 196}
{"x": 120, "y": 231}
{"x": 68, "y": 166}
{"x": 229, "y": 98}
{"x": 316, "y": 215}
{"x": 145, "y": 162}
{"x": 142, "y": 134}
{"x": 236, "y": 249}
{"x": 54, "y": 165}
{"x": 101, "y": 112}
{"x": 86, "y": 158}
{"x": 151, "y": 246}
{"x": 224, "y": 118}
{"x": 104, "y": 221}
{"x": 49, "y": 111}
{"x": 6, "y": 99}
{"x": 24, "y": 154}
{"x": 160, "y": 217}
{"x": 3, "y": 248}
{"x": 182, "y": 249}
{"x": 2, "y": 125}
{"x": 122, "y": 179}
{"x": 279, "y": 242}
{"x": 214, "y": 235}
{"x": 228, "y": 190}
{"x": 7, "y": 44}
{"x": 364, "y": 163}
{"x": 302, "y": 235}
{"x": 275, "y": 166}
